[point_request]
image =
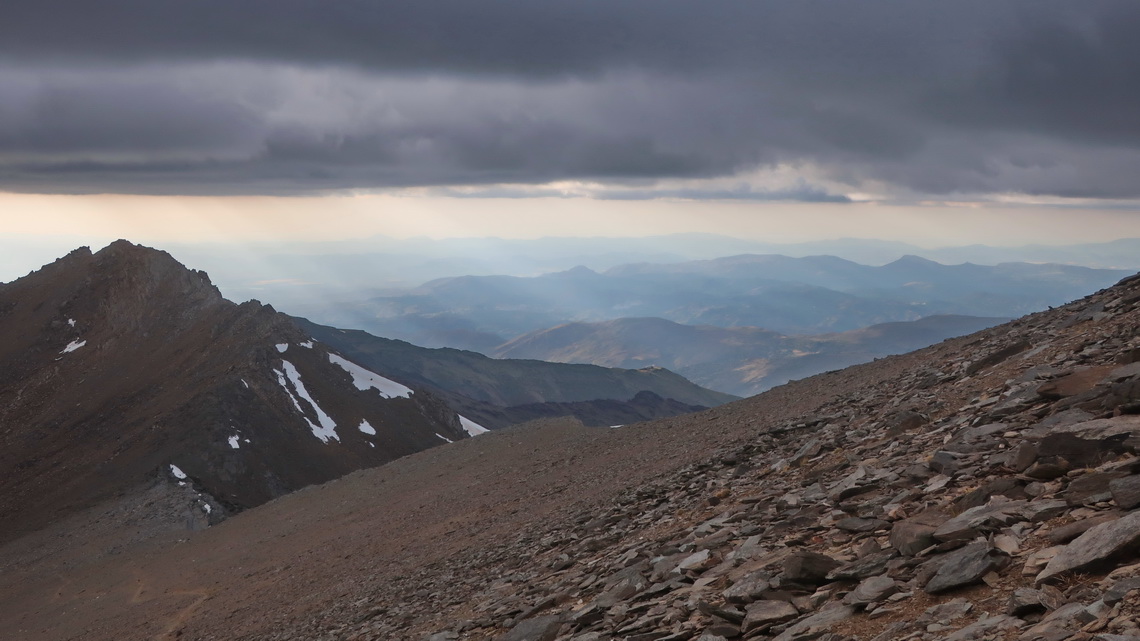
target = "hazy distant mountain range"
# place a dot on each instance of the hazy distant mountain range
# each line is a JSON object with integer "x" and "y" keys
{"x": 739, "y": 324}
{"x": 809, "y": 295}
{"x": 739, "y": 360}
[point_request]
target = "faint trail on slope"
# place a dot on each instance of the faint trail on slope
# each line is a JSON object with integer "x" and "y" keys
{"x": 176, "y": 622}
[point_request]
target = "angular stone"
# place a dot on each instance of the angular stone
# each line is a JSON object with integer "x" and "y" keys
{"x": 943, "y": 462}
{"x": 543, "y": 628}
{"x": 808, "y": 567}
{"x": 747, "y": 589}
{"x": 1077, "y": 382}
{"x": 1008, "y": 487}
{"x": 1023, "y": 456}
{"x": 1036, "y": 561}
{"x": 764, "y": 614}
{"x": 1126, "y": 491}
{"x": 981, "y": 519}
{"x": 1066, "y": 533}
{"x": 1024, "y": 601}
{"x": 860, "y": 569}
{"x": 1090, "y": 488}
{"x": 1120, "y": 590}
{"x": 1043, "y": 510}
{"x": 856, "y": 524}
{"x": 697, "y": 561}
{"x": 1100, "y": 545}
{"x": 987, "y": 628}
{"x": 913, "y": 535}
{"x": 817, "y": 624}
{"x": 997, "y": 356}
{"x": 965, "y": 566}
{"x": 871, "y": 590}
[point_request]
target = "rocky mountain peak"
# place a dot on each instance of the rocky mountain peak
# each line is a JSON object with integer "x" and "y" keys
{"x": 118, "y": 364}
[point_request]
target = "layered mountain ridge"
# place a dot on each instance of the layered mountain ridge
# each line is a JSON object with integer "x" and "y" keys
{"x": 739, "y": 360}
{"x": 123, "y": 364}
{"x": 501, "y": 392}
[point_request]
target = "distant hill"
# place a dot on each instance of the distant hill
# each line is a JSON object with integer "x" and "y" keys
{"x": 811, "y": 295}
{"x": 739, "y": 360}
{"x": 502, "y": 392}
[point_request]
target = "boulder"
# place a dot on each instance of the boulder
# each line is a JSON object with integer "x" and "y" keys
{"x": 871, "y": 590}
{"x": 537, "y": 629}
{"x": 1126, "y": 491}
{"x": 913, "y": 535}
{"x": 1099, "y": 546}
{"x": 809, "y": 568}
{"x": 979, "y": 520}
{"x": 965, "y": 566}
{"x": 817, "y": 624}
{"x": 764, "y": 614}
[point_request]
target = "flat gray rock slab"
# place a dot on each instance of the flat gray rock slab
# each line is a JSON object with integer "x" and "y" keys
{"x": 1094, "y": 548}
{"x": 1126, "y": 491}
{"x": 817, "y": 624}
{"x": 977, "y": 520}
{"x": 965, "y": 566}
{"x": 536, "y": 629}
{"x": 763, "y": 614}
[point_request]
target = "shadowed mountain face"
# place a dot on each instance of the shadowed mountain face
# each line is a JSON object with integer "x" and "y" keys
{"x": 738, "y": 360}
{"x": 500, "y": 392}
{"x": 124, "y": 366}
{"x": 809, "y": 295}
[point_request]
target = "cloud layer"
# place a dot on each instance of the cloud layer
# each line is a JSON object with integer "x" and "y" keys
{"x": 898, "y": 99}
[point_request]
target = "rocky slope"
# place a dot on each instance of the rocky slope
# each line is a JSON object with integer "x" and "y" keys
{"x": 122, "y": 366}
{"x": 737, "y": 360}
{"x": 983, "y": 488}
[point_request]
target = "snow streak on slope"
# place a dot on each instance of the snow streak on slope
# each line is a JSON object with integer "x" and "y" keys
{"x": 471, "y": 427}
{"x": 327, "y": 428}
{"x": 73, "y": 345}
{"x": 363, "y": 379}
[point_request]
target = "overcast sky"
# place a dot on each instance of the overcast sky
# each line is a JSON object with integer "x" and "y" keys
{"x": 902, "y": 103}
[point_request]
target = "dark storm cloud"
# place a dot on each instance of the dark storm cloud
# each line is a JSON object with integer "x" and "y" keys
{"x": 213, "y": 96}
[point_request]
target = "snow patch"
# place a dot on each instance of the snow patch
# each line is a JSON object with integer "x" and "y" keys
{"x": 178, "y": 474}
{"x": 234, "y": 443}
{"x": 471, "y": 427}
{"x": 364, "y": 379}
{"x": 614, "y": 427}
{"x": 308, "y": 343}
{"x": 327, "y": 428}
{"x": 281, "y": 347}
{"x": 245, "y": 383}
{"x": 206, "y": 507}
{"x": 367, "y": 429}
{"x": 370, "y": 444}
{"x": 71, "y": 322}
{"x": 73, "y": 345}
{"x": 444, "y": 437}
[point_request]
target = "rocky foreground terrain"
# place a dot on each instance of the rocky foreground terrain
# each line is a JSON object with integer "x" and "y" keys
{"x": 983, "y": 488}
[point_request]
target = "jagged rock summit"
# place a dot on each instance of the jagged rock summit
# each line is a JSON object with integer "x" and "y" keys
{"x": 123, "y": 368}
